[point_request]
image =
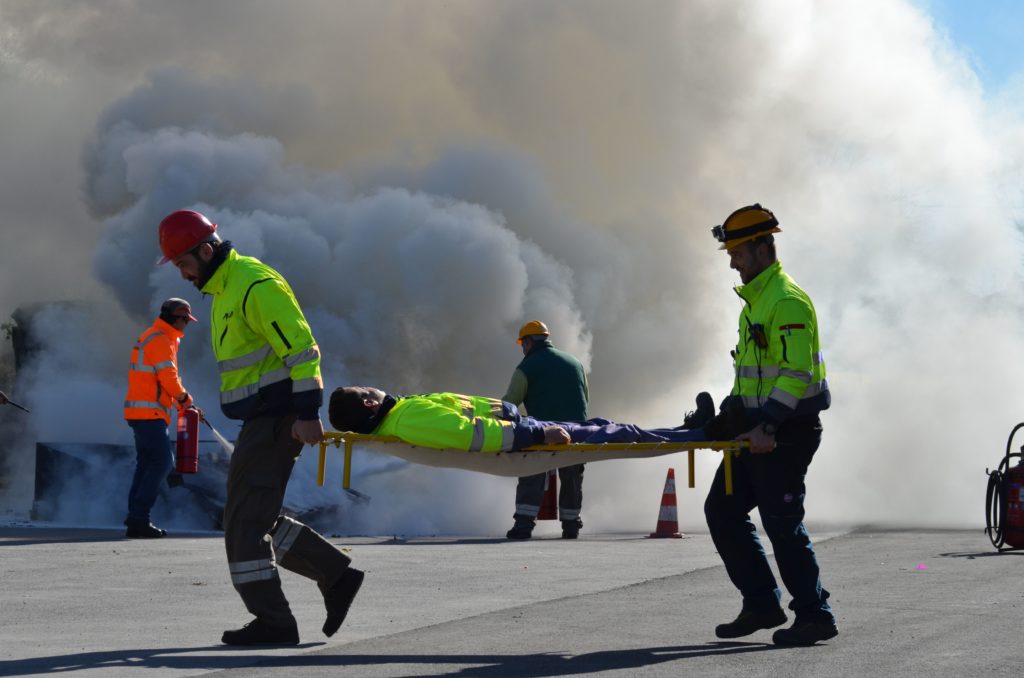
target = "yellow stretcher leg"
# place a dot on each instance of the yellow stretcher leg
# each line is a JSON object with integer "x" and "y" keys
{"x": 323, "y": 464}
{"x": 346, "y": 474}
{"x": 727, "y": 463}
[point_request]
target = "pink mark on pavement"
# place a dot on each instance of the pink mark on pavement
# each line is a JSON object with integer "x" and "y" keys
{"x": 922, "y": 566}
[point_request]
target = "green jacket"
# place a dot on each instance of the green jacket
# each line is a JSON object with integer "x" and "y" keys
{"x": 461, "y": 422}
{"x": 268, "y": 360}
{"x": 780, "y": 370}
{"x": 551, "y": 384}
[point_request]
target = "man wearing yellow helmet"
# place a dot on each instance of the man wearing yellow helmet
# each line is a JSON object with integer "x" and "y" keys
{"x": 780, "y": 383}
{"x": 552, "y": 385}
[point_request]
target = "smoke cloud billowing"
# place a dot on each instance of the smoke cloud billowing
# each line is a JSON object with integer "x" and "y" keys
{"x": 428, "y": 177}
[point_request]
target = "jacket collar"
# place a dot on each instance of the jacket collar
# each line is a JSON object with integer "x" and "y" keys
{"x": 377, "y": 418}
{"x": 166, "y": 328}
{"x": 752, "y": 290}
{"x": 218, "y": 281}
{"x": 540, "y": 345}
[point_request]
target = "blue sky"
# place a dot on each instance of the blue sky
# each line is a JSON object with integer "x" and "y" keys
{"x": 988, "y": 30}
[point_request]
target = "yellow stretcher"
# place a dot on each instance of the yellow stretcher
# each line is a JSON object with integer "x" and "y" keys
{"x": 529, "y": 461}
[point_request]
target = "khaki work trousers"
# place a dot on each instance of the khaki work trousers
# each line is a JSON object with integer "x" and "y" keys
{"x": 257, "y": 538}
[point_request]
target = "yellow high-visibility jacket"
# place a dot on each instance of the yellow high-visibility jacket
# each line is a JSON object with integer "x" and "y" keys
{"x": 780, "y": 370}
{"x": 268, "y": 360}
{"x": 459, "y": 422}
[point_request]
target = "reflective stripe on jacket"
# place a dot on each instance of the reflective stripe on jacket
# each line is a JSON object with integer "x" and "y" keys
{"x": 452, "y": 421}
{"x": 780, "y": 370}
{"x": 153, "y": 383}
{"x": 268, "y": 360}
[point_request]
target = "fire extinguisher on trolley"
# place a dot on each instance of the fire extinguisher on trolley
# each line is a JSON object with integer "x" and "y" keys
{"x": 1004, "y": 500}
{"x": 186, "y": 452}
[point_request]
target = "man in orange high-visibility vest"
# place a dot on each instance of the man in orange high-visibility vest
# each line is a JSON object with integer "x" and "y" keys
{"x": 153, "y": 390}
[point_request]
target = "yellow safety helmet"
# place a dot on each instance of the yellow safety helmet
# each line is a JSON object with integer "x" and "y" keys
{"x": 745, "y": 224}
{"x": 531, "y": 328}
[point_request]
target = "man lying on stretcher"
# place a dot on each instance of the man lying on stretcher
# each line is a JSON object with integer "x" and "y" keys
{"x": 478, "y": 424}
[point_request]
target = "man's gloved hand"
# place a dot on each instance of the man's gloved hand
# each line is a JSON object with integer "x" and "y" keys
{"x": 308, "y": 431}
{"x": 184, "y": 401}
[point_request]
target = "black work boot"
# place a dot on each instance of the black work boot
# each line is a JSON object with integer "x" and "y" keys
{"x": 704, "y": 413}
{"x": 258, "y": 632}
{"x": 571, "y": 528}
{"x": 523, "y": 528}
{"x": 729, "y": 422}
{"x": 749, "y": 621}
{"x": 805, "y": 632}
{"x": 146, "y": 530}
{"x": 339, "y": 597}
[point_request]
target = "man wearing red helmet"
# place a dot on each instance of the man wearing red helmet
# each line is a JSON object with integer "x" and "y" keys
{"x": 269, "y": 365}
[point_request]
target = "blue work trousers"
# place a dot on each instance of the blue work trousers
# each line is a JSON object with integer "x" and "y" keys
{"x": 605, "y": 431}
{"x": 774, "y": 483}
{"x": 153, "y": 461}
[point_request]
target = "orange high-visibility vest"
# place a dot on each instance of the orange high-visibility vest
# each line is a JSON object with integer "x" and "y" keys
{"x": 153, "y": 384}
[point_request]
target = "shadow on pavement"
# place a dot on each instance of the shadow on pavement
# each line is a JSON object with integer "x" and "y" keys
{"x": 981, "y": 554}
{"x": 213, "y": 657}
{"x": 482, "y": 665}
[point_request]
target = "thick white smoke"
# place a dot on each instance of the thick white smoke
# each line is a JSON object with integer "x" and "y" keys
{"x": 429, "y": 178}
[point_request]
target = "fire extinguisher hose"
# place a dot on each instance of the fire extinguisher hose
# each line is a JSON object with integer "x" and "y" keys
{"x": 228, "y": 447}
{"x": 995, "y": 508}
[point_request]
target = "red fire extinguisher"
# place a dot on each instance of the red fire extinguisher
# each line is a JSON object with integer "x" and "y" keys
{"x": 187, "y": 450}
{"x": 1004, "y": 501}
{"x": 1014, "y": 529}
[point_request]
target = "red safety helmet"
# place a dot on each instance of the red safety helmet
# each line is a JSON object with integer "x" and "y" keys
{"x": 181, "y": 231}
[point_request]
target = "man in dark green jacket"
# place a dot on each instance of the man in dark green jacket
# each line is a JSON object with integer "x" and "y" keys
{"x": 552, "y": 386}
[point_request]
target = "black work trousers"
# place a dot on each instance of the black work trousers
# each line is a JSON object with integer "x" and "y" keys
{"x": 774, "y": 483}
{"x": 257, "y": 538}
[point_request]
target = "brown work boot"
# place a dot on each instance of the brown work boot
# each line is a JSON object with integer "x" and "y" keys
{"x": 339, "y": 598}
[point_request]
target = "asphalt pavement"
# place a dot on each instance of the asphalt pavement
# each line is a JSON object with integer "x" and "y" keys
{"x": 910, "y": 603}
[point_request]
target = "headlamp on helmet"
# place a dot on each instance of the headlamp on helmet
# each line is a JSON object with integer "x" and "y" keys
{"x": 744, "y": 225}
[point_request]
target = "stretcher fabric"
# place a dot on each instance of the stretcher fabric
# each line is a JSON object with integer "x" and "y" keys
{"x": 529, "y": 461}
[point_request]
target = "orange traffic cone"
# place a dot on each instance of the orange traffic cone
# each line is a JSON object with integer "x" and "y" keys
{"x": 668, "y": 523}
{"x": 549, "y": 504}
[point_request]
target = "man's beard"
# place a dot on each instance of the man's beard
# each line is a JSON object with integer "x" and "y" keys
{"x": 206, "y": 269}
